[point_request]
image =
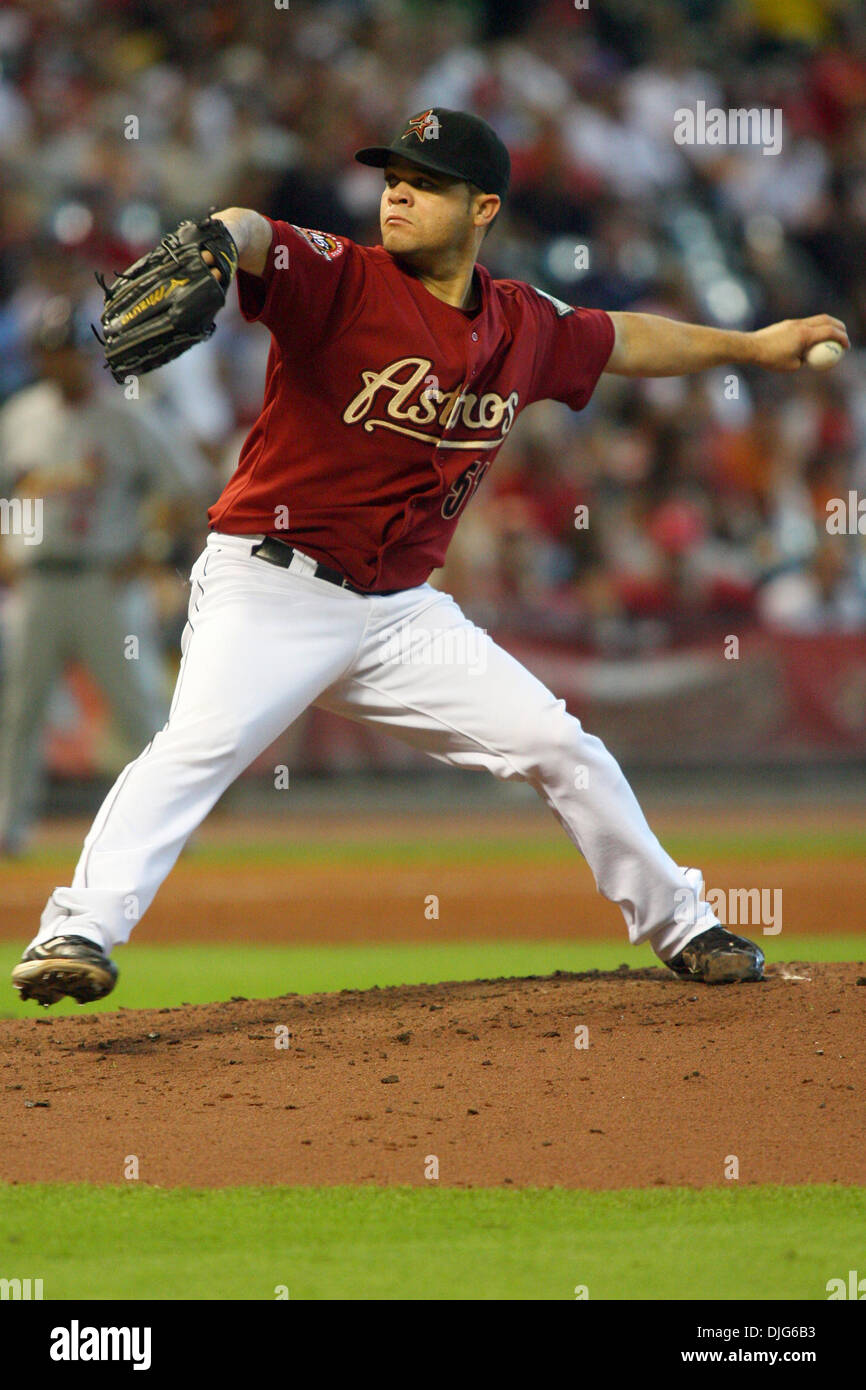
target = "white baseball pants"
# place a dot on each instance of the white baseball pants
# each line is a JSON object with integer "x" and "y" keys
{"x": 262, "y": 644}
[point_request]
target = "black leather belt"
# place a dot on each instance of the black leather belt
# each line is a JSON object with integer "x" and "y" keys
{"x": 281, "y": 553}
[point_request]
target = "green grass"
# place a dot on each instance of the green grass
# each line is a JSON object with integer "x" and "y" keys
{"x": 686, "y": 847}
{"x": 393, "y": 1243}
{"x": 165, "y": 976}
{"x": 294, "y": 847}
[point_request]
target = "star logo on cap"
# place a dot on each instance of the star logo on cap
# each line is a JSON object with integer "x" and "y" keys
{"x": 425, "y": 126}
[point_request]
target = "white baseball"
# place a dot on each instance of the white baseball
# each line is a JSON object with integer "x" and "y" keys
{"x": 822, "y": 356}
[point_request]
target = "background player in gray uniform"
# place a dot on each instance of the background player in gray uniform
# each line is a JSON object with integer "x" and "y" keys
{"x": 76, "y": 463}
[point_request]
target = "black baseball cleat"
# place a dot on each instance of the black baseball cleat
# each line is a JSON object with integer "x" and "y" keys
{"x": 717, "y": 957}
{"x": 65, "y": 966}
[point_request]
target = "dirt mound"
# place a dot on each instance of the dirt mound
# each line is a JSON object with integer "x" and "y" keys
{"x": 491, "y": 1078}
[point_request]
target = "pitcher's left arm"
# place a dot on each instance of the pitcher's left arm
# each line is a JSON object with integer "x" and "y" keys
{"x": 650, "y": 345}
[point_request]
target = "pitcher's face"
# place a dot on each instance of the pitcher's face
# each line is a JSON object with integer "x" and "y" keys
{"x": 424, "y": 212}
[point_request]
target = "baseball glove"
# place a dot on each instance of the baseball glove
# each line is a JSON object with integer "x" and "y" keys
{"x": 166, "y": 301}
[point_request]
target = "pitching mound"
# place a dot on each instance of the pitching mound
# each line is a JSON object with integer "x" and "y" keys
{"x": 669, "y": 1083}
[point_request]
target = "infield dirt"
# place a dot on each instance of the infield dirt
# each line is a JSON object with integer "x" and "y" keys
{"x": 506, "y": 897}
{"x": 485, "y": 1077}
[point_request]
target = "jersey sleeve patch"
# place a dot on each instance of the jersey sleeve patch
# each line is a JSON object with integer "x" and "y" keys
{"x": 559, "y": 304}
{"x": 327, "y": 245}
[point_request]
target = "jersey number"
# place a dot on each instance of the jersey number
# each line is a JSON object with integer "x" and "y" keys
{"x": 460, "y": 492}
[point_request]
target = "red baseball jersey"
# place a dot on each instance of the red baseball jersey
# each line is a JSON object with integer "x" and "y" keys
{"x": 384, "y": 407}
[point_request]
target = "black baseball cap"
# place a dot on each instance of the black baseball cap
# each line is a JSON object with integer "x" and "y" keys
{"x": 449, "y": 142}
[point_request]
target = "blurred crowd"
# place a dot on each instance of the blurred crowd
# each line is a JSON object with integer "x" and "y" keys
{"x": 668, "y": 508}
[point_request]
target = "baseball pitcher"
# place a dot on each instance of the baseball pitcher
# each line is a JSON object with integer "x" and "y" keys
{"x": 395, "y": 374}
